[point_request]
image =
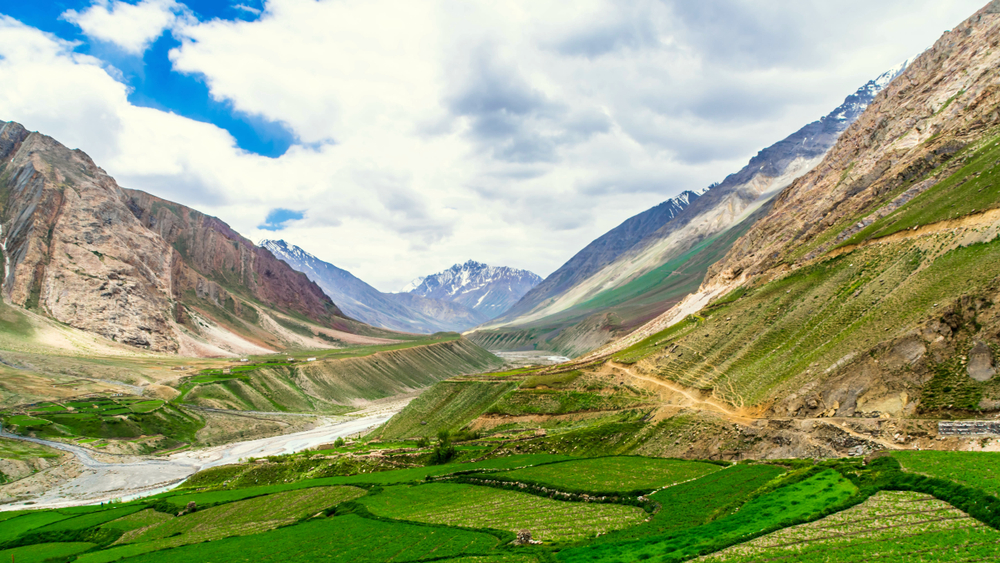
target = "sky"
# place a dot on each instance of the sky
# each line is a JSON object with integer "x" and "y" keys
{"x": 394, "y": 138}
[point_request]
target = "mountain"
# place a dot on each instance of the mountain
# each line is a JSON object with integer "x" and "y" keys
{"x": 650, "y": 262}
{"x": 858, "y": 313}
{"x": 144, "y": 271}
{"x": 403, "y": 312}
{"x": 870, "y": 286}
{"x": 486, "y": 289}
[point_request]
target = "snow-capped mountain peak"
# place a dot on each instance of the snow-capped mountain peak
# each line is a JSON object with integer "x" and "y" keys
{"x": 488, "y": 289}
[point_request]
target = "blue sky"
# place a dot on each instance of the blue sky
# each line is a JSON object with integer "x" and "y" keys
{"x": 150, "y": 75}
{"x": 394, "y": 138}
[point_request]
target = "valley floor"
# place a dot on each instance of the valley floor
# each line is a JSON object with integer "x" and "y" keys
{"x": 92, "y": 481}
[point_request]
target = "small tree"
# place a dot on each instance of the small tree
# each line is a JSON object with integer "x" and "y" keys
{"x": 444, "y": 451}
{"x": 339, "y": 442}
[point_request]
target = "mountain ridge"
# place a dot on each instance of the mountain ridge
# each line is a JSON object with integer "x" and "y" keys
{"x": 490, "y": 290}
{"x": 403, "y": 312}
{"x": 655, "y": 271}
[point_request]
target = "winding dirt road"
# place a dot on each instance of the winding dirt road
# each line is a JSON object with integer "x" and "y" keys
{"x": 102, "y": 482}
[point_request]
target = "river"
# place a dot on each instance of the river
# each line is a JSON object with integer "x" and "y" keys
{"x": 103, "y": 482}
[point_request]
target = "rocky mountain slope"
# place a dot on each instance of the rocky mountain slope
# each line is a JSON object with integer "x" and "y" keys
{"x": 652, "y": 261}
{"x": 858, "y": 314}
{"x": 486, "y": 289}
{"x": 404, "y": 312}
{"x": 141, "y": 270}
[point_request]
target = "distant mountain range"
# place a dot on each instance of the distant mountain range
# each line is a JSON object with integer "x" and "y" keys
{"x": 650, "y": 262}
{"x": 486, "y": 289}
{"x": 458, "y": 299}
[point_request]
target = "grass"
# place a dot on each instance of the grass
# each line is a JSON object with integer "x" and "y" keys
{"x": 554, "y": 402}
{"x": 980, "y": 470}
{"x": 342, "y": 539}
{"x": 44, "y": 552}
{"x": 247, "y": 517}
{"x": 612, "y": 474}
{"x": 655, "y": 343}
{"x": 15, "y": 449}
{"x": 90, "y": 520}
{"x": 413, "y": 475}
{"x": 25, "y": 523}
{"x": 483, "y": 507}
{"x": 448, "y": 405}
{"x": 766, "y": 513}
{"x": 698, "y": 502}
{"x": 971, "y": 188}
{"x": 818, "y": 318}
{"x": 110, "y": 417}
{"x": 888, "y": 527}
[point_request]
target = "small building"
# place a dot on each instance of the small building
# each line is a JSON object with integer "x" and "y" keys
{"x": 311, "y": 359}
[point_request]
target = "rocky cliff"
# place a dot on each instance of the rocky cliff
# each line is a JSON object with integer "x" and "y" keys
{"x": 132, "y": 267}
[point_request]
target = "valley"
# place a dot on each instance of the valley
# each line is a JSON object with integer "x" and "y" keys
{"x": 798, "y": 363}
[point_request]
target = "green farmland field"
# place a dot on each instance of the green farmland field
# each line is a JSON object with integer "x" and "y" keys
{"x": 611, "y": 474}
{"x": 980, "y": 470}
{"x": 343, "y": 539}
{"x": 482, "y": 507}
{"x": 44, "y": 552}
{"x": 771, "y": 511}
{"x": 887, "y": 528}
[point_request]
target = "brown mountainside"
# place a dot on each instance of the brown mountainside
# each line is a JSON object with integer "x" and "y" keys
{"x": 944, "y": 101}
{"x": 135, "y": 268}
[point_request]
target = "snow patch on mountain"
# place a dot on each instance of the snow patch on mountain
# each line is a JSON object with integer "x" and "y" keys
{"x": 491, "y": 290}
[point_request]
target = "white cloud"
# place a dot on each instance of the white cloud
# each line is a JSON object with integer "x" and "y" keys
{"x": 133, "y": 27}
{"x": 512, "y": 132}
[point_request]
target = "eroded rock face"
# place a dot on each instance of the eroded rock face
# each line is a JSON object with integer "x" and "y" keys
{"x": 124, "y": 264}
{"x": 75, "y": 251}
{"x": 212, "y": 259}
{"x": 980, "y": 365}
{"x": 946, "y": 99}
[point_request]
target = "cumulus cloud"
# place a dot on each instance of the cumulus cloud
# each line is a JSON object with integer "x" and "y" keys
{"x": 132, "y": 27}
{"x": 429, "y": 133}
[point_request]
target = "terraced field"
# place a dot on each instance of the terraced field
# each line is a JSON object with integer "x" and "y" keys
{"x": 343, "y": 539}
{"x": 766, "y": 513}
{"x": 612, "y": 474}
{"x": 697, "y": 502}
{"x": 44, "y": 552}
{"x": 242, "y": 518}
{"x": 449, "y": 405}
{"x": 980, "y": 470}
{"x": 889, "y": 527}
{"x": 482, "y": 507}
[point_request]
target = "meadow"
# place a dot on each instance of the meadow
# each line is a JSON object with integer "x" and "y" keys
{"x": 888, "y": 527}
{"x": 612, "y": 474}
{"x": 484, "y": 507}
{"x": 833, "y": 511}
{"x": 980, "y": 470}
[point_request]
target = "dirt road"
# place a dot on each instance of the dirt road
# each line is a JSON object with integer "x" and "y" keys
{"x": 102, "y": 482}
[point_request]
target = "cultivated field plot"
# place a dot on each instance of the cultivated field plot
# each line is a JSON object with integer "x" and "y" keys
{"x": 247, "y": 517}
{"x": 612, "y": 474}
{"x": 696, "y": 502}
{"x": 980, "y": 470}
{"x": 342, "y": 539}
{"x": 399, "y": 476}
{"x": 889, "y": 527}
{"x": 481, "y": 507}
{"x": 777, "y": 509}
{"x": 44, "y": 552}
